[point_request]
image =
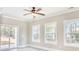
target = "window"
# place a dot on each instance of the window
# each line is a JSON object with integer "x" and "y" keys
{"x": 71, "y": 34}
{"x": 36, "y": 33}
{"x": 7, "y": 36}
{"x": 50, "y": 32}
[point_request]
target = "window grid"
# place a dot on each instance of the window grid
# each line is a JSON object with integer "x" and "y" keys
{"x": 7, "y": 36}
{"x": 36, "y": 33}
{"x": 72, "y": 33}
{"x": 50, "y": 32}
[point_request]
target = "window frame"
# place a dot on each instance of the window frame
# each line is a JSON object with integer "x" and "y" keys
{"x": 37, "y": 40}
{"x": 46, "y": 41}
{"x": 67, "y": 22}
{"x": 9, "y": 39}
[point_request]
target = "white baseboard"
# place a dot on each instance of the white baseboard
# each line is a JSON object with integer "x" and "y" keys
{"x": 23, "y": 46}
{"x": 38, "y": 47}
{"x": 43, "y": 48}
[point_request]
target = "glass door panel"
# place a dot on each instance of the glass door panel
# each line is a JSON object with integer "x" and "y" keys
{"x": 4, "y": 37}
{"x": 13, "y": 37}
{"x": 8, "y": 37}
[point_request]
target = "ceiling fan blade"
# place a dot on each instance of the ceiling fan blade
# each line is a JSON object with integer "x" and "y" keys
{"x": 27, "y": 14}
{"x": 38, "y": 10}
{"x": 41, "y": 14}
{"x": 70, "y": 7}
{"x": 27, "y": 10}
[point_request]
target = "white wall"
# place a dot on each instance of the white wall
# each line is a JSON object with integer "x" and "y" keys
{"x": 60, "y": 30}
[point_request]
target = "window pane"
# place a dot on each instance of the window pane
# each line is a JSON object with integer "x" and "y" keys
{"x": 7, "y": 39}
{"x": 4, "y": 35}
{"x": 72, "y": 32}
{"x": 36, "y": 33}
{"x": 50, "y": 32}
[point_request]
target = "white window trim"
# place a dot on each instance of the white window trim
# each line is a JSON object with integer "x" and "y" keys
{"x": 49, "y": 42}
{"x": 71, "y": 44}
{"x": 38, "y": 40}
{"x": 7, "y": 25}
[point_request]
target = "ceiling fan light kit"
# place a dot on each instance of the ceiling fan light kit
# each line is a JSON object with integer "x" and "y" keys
{"x": 34, "y": 12}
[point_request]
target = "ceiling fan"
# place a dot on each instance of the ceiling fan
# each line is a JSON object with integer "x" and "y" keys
{"x": 34, "y": 12}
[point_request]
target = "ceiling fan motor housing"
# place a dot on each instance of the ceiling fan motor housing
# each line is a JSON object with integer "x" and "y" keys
{"x": 33, "y": 9}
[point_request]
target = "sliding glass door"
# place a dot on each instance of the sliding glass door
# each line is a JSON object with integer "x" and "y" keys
{"x": 4, "y": 37}
{"x": 8, "y": 37}
{"x": 13, "y": 37}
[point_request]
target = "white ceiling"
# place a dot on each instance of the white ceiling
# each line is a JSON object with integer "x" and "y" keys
{"x": 17, "y": 12}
